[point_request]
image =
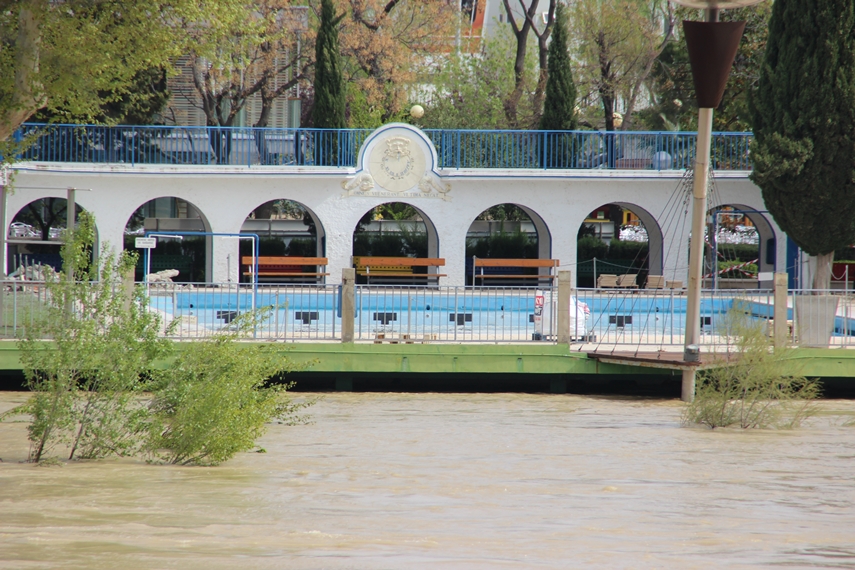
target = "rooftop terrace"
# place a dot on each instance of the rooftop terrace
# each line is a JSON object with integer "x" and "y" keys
{"x": 456, "y": 149}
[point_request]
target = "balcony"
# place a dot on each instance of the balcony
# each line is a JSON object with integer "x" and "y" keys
{"x": 456, "y": 149}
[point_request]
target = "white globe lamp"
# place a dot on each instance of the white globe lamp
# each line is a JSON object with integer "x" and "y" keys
{"x": 417, "y": 111}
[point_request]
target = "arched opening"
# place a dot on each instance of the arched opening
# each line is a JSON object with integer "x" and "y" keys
{"x": 190, "y": 255}
{"x": 394, "y": 229}
{"x": 286, "y": 229}
{"x": 511, "y": 232}
{"x": 742, "y": 241}
{"x": 35, "y": 234}
{"x": 618, "y": 239}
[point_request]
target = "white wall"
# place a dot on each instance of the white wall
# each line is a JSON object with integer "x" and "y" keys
{"x": 227, "y": 195}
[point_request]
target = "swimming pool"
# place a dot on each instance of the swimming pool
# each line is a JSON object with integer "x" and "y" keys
{"x": 455, "y": 314}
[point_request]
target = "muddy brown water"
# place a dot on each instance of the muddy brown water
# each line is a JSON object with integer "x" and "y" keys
{"x": 399, "y": 481}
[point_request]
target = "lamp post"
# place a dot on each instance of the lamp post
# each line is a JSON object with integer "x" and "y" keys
{"x": 712, "y": 47}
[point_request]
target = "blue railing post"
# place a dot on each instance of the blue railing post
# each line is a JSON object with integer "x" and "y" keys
{"x": 545, "y": 138}
{"x": 458, "y": 150}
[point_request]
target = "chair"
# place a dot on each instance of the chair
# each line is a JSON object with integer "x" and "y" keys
{"x": 655, "y": 281}
{"x": 607, "y": 281}
{"x": 628, "y": 281}
{"x": 674, "y": 284}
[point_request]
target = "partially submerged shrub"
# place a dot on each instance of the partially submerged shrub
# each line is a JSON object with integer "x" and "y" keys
{"x": 756, "y": 388}
{"x": 215, "y": 401}
{"x": 84, "y": 356}
{"x": 87, "y": 356}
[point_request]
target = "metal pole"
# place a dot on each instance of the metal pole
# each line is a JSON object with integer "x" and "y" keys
{"x": 714, "y": 243}
{"x": 70, "y": 211}
{"x": 696, "y": 248}
{"x": 4, "y": 264}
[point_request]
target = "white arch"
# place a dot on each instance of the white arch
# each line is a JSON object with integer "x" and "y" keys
{"x": 320, "y": 231}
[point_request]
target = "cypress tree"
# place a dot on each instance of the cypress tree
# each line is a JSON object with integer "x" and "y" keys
{"x": 560, "y": 103}
{"x": 329, "y": 107}
{"x": 803, "y": 115}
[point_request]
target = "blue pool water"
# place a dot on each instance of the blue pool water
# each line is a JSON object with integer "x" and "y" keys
{"x": 426, "y": 311}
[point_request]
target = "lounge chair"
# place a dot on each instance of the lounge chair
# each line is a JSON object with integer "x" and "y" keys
{"x": 628, "y": 281}
{"x": 607, "y": 281}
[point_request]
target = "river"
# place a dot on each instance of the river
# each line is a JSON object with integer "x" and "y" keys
{"x": 401, "y": 481}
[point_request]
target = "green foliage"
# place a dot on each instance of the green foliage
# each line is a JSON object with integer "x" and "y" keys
{"x": 361, "y": 114}
{"x": 75, "y": 57}
{"x": 756, "y": 388}
{"x": 471, "y": 89}
{"x": 636, "y": 250}
{"x": 303, "y": 247}
{"x": 503, "y": 245}
{"x": 559, "y": 112}
{"x": 803, "y": 114}
{"x": 102, "y": 340}
{"x": 845, "y": 254}
{"x": 504, "y": 212}
{"x": 590, "y": 247}
{"x": 329, "y": 107}
{"x": 737, "y": 273}
{"x": 215, "y": 401}
{"x": 406, "y": 243}
{"x": 188, "y": 256}
{"x": 139, "y": 103}
{"x": 95, "y": 342}
{"x": 673, "y": 90}
{"x": 739, "y": 251}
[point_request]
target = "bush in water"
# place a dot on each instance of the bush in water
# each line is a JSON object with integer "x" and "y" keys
{"x": 756, "y": 387}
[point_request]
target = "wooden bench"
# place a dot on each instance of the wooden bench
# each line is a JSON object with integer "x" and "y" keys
{"x": 397, "y": 268}
{"x": 484, "y": 268}
{"x": 290, "y": 267}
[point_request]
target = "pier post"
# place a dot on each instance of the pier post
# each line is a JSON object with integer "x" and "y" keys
{"x": 348, "y": 279}
{"x": 564, "y": 291}
{"x": 780, "y": 331}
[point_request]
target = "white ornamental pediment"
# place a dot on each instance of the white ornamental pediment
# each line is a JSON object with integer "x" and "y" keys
{"x": 397, "y": 161}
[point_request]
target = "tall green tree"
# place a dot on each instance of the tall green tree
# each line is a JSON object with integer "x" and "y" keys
{"x": 74, "y": 56}
{"x": 803, "y": 115}
{"x": 558, "y": 108}
{"x": 329, "y": 109}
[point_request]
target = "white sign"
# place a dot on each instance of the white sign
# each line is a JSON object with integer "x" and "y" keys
{"x": 766, "y": 276}
{"x": 145, "y": 243}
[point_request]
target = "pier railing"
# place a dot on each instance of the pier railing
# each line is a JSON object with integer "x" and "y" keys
{"x": 456, "y": 149}
{"x": 646, "y": 320}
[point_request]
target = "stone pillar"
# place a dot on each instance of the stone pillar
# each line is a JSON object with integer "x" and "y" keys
{"x": 781, "y": 330}
{"x": 348, "y": 280}
{"x": 564, "y": 291}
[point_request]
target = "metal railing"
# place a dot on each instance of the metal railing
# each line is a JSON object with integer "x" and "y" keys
{"x": 294, "y": 312}
{"x": 642, "y": 320}
{"x": 448, "y": 314}
{"x": 456, "y": 149}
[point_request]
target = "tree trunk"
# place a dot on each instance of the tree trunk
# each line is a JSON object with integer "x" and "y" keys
{"x": 822, "y": 277}
{"x": 27, "y": 97}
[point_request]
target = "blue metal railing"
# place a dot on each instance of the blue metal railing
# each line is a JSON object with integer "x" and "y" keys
{"x": 247, "y": 146}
